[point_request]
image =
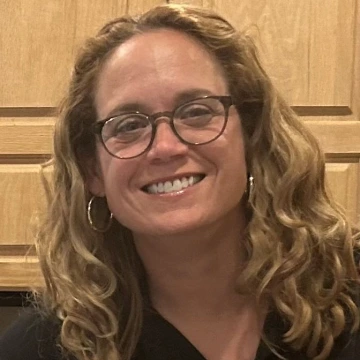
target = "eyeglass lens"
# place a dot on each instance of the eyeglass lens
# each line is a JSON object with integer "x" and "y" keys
{"x": 196, "y": 122}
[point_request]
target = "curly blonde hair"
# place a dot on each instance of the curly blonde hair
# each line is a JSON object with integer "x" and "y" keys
{"x": 300, "y": 247}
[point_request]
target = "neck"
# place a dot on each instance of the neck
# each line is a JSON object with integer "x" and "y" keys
{"x": 195, "y": 274}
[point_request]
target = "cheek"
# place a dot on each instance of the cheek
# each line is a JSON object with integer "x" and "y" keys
{"x": 237, "y": 141}
{"x": 234, "y": 161}
{"x": 118, "y": 177}
{"x": 116, "y": 184}
{"x": 234, "y": 142}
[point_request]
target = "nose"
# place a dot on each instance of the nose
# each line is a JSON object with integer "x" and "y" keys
{"x": 166, "y": 145}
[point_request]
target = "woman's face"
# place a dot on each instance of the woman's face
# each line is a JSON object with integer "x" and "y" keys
{"x": 155, "y": 72}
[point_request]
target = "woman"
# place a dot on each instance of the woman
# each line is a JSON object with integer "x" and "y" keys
{"x": 188, "y": 217}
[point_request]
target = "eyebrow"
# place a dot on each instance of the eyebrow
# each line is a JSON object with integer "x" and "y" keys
{"x": 180, "y": 98}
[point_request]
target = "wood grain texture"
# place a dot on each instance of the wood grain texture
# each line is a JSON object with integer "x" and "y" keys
{"x": 92, "y": 15}
{"x": 343, "y": 180}
{"x": 331, "y": 49}
{"x": 356, "y": 66}
{"x": 136, "y": 7}
{"x": 337, "y": 137}
{"x": 36, "y": 38}
{"x": 307, "y": 46}
{"x": 26, "y": 136}
{"x": 22, "y": 200}
{"x": 20, "y": 273}
{"x": 39, "y": 41}
{"x": 201, "y": 3}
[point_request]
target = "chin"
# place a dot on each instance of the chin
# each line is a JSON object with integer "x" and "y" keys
{"x": 178, "y": 227}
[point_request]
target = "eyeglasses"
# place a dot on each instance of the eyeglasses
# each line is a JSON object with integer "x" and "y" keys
{"x": 196, "y": 122}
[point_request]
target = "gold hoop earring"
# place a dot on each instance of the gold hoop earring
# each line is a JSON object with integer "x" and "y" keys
{"x": 91, "y": 221}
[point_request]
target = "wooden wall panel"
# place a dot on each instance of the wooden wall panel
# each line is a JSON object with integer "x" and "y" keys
{"x": 355, "y": 107}
{"x": 137, "y": 6}
{"x": 22, "y": 197}
{"x": 26, "y": 136}
{"x": 337, "y": 137}
{"x": 343, "y": 180}
{"x": 19, "y": 270}
{"x": 307, "y": 46}
{"x": 201, "y": 3}
{"x": 35, "y": 52}
{"x": 91, "y": 16}
{"x": 331, "y": 52}
{"x": 39, "y": 40}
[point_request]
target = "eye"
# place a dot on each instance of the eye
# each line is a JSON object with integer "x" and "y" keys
{"x": 195, "y": 115}
{"x": 193, "y": 111}
{"x": 128, "y": 124}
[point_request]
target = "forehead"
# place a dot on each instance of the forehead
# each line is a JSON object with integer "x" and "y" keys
{"x": 154, "y": 68}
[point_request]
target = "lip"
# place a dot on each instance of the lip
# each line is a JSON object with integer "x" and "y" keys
{"x": 172, "y": 178}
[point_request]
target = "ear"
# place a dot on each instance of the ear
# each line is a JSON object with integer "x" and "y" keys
{"x": 93, "y": 177}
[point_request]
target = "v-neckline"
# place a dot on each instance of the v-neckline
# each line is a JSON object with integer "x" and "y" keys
{"x": 161, "y": 337}
{"x": 162, "y": 340}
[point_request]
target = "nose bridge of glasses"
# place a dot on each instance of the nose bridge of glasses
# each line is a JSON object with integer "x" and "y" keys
{"x": 154, "y": 118}
{"x": 163, "y": 117}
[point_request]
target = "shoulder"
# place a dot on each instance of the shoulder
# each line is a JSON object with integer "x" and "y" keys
{"x": 32, "y": 337}
{"x": 347, "y": 347}
{"x": 347, "y": 344}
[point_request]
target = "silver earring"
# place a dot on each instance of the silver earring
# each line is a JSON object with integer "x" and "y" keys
{"x": 251, "y": 186}
{"x": 107, "y": 225}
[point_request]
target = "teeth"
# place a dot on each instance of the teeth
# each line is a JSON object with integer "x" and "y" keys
{"x": 177, "y": 185}
{"x": 171, "y": 186}
{"x": 184, "y": 182}
{"x": 168, "y": 186}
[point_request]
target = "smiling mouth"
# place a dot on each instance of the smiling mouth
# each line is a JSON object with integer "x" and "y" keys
{"x": 173, "y": 185}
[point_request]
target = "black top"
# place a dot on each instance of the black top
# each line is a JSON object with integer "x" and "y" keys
{"x": 33, "y": 337}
